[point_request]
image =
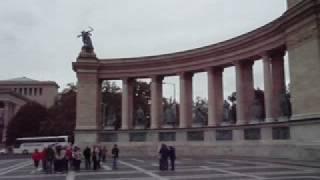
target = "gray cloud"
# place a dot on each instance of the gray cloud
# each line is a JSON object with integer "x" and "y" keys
{"x": 38, "y": 37}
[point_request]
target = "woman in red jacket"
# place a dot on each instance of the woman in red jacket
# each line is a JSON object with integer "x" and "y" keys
{"x": 36, "y": 157}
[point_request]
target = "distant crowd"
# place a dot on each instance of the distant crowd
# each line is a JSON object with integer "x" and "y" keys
{"x": 59, "y": 159}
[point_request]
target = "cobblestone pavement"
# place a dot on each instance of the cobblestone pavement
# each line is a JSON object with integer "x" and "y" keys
{"x": 228, "y": 168}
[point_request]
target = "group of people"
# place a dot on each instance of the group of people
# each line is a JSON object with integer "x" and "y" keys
{"x": 167, "y": 153}
{"x": 62, "y": 158}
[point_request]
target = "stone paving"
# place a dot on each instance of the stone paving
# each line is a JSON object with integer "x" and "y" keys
{"x": 228, "y": 168}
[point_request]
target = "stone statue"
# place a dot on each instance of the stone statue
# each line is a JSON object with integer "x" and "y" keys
{"x": 140, "y": 117}
{"x": 200, "y": 114}
{"x": 86, "y": 39}
{"x": 257, "y": 110}
{"x": 226, "y": 111}
{"x": 110, "y": 117}
{"x": 170, "y": 115}
{"x": 285, "y": 104}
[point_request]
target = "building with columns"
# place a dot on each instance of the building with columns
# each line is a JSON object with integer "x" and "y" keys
{"x": 16, "y": 92}
{"x": 296, "y": 32}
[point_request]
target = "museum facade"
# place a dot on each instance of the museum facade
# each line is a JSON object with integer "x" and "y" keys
{"x": 14, "y": 93}
{"x": 296, "y": 32}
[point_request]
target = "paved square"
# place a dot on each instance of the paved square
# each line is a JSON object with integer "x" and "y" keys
{"x": 186, "y": 168}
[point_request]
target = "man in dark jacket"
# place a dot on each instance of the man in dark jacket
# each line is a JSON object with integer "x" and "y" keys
{"x": 172, "y": 156}
{"x": 87, "y": 157}
{"x": 50, "y": 159}
{"x": 115, "y": 156}
{"x": 164, "y": 153}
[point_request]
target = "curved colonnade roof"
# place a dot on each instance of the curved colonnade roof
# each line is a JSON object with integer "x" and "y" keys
{"x": 270, "y": 38}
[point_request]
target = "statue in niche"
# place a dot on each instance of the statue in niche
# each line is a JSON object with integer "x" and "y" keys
{"x": 233, "y": 113}
{"x": 257, "y": 110}
{"x": 200, "y": 114}
{"x": 226, "y": 111}
{"x": 110, "y": 117}
{"x": 285, "y": 104}
{"x": 140, "y": 117}
{"x": 86, "y": 39}
{"x": 257, "y": 107}
{"x": 233, "y": 109}
{"x": 170, "y": 114}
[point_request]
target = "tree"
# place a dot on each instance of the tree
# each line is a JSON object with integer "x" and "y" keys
{"x": 27, "y": 122}
{"x": 62, "y": 115}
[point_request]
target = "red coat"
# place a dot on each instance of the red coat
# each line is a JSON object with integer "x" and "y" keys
{"x": 37, "y": 156}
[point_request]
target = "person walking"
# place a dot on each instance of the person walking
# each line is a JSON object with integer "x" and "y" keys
{"x": 163, "y": 162}
{"x": 172, "y": 157}
{"x": 69, "y": 158}
{"x": 87, "y": 157}
{"x": 50, "y": 159}
{"x": 77, "y": 158}
{"x": 95, "y": 158}
{"x": 36, "y": 157}
{"x": 115, "y": 156}
{"x": 44, "y": 159}
{"x": 104, "y": 153}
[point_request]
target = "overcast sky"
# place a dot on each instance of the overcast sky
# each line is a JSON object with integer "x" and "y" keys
{"x": 38, "y": 37}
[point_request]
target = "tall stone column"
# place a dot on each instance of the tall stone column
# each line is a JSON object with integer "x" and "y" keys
{"x": 88, "y": 106}
{"x": 215, "y": 96}
{"x": 278, "y": 83}
{"x": 245, "y": 91}
{"x": 127, "y": 103}
{"x": 156, "y": 102}
{"x": 185, "y": 100}
{"x": 267, "y": 87}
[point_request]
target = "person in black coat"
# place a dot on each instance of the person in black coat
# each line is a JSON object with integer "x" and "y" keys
{"x": 115, "y": 156}
{"x": 87, "y": 157}
{"x": 164, "y": 153}
{"x": 172, "y": 156}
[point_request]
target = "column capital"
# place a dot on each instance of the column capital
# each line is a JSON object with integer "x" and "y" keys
{"x": 157, "y": 78}
{"x": 215, "y": 68}
{"x": 185, "y": 74}
{"x": 127, "y": 79}
{"x": 243, "y": 62}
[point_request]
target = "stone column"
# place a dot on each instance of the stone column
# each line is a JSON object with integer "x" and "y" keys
{"x": 245, "y": 91}
{"x": 278, "y": 84}
{"x": 127, "y": 103}
{"x": 267, "y": 87}
{"x": 156, "y": 102}
{"x": 185, "y": 100}
{"x": 88, "y": 107}
{"x": 215, "y": 96}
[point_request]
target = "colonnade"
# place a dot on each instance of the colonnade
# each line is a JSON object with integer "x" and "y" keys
{"x": 274, "y": 87}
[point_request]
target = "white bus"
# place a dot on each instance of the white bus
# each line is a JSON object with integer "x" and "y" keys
{"x": 27, "y": 145}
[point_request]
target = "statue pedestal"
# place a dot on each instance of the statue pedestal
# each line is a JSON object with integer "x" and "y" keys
{"x": 139, "y": 127}
{"x": 283, "y": 118}
{"x": 87, "y": 54}
{"x": 225, "y": 124}
{"x": 197, "y": 124}
{"x": 167, "y": 126}
{"x": 255, "y": 121}
{"x": 109, "y": 128}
